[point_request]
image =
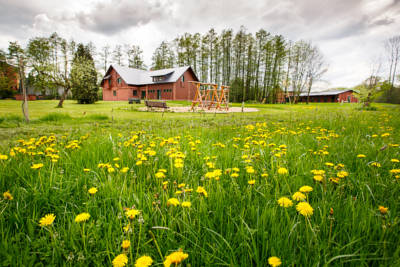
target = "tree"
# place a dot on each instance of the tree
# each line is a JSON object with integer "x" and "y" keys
{"x": 8, "y": 77}
{"x": 117, "y": 55}
{"x": 135, "y": 57}
{"x": 84, "y": 76}
{"x": 17, "y": 56}
{"x": 299, "y": 68}
{"x": 163, "y": 57}
{"x": 392, "y": 46}
{"x": 105, "y": 57}
{"x": 316, "y": 67}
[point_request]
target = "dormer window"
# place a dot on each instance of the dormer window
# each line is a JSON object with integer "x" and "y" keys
{"x": 119, "y": 80}
{"x": 159, "y": 78}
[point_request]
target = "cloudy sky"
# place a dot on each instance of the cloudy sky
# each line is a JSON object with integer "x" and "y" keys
{"x": 350, "y": 33}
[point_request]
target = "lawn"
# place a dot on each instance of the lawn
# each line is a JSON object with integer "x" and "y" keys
{"x": 102, "y": 184}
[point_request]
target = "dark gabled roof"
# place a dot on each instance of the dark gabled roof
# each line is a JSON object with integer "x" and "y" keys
{"x": 337, "y": 92}
{"x": 143, "y": 77}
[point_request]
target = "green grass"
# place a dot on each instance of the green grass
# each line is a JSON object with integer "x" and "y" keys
{"x": 238, "y": 224}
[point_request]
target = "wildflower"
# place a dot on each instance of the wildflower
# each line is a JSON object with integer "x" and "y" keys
{"x": 250, "y": 169}
{"x": 3, "y": 157}
{"x": 395, "y": 160}
{"x": 126, "y": 228}
{"x": 126, "y": 244}
{"x": 329, "y": 164}
{"x": 342, "y": 174}
{"x": 306, "y": 189}
{"x": 318, "y": 178}
{"x": 235, "y": 169}
{"x": 298, "y": 196}
{"x": 251, "y": 182}
{"x": 83, "y": 217}
{"x": 375, "y": 164}
{"x": 186, "y": 204}
{"x": 383, "y": 210}
{"x": 116, "y": 159}
{"x": 175, "y": 258}
{"x": 131, "y": 213}
{"x": 395, "y": 171}
{"x": 181, "y": 185}
{"x": 47, "y": 220}
{"x": 92, "y": 190}
{"x": 160, "y": 175}
{"x": 143, "y": 261}
{"x": 37, "y": 166}
{"x": 120, "y": 261}
{"x": 274, "y": 261}
{"x": 304, "y": 209}
{"x": 282, "y": 171}
{"x": 86, "y": 170}
{"x": 110, "y": 170}
{"x": 7, "y": 195}
{"x": 285, "y": 202}
{"x": 139, "y": 162}
{"x": 201, "y": 190}
{"x": 361, "y": 156}
{"x": 173, "y": 201}
{"x": 264, "y": 175}
{"x": 124, "y": 169}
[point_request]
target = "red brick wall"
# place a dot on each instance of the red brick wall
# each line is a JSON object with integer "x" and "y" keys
{"x": 185, "y": 90}
{"x": 21, "y": 97}
{"x": 344, "y": 97}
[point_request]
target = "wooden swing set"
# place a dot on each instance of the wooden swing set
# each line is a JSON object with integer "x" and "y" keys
{"x": 210, "y": 96}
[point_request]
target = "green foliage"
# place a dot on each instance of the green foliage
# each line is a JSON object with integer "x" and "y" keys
{"x": 56, "y": 117}
{"x": 84, "y": 77}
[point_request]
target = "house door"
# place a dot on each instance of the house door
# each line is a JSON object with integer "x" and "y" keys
{"x": 143, "y": 94}
{"x": 158, "y": 94}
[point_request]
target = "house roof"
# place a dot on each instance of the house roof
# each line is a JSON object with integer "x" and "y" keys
{"x": 143, "y": 77}
{"x": 337, "y": 92}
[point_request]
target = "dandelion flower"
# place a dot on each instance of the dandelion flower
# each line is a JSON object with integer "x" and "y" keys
{"x": 160, "y": 175}
{"x": 306, "y": 189}
{"x": 274, "y": 261}
{"x": 86, "y": 170}
{"x": 175, "y": 258}
{"x": 305, "y": 209}
{"x": 383, "y": 210}
{"x": 285, "y": 202}
{"x": 3, "y": 157}
{"x": 131, "y": 213}
{"x": 186, "y": 204}
{"x": 361, "y": 156}
{"x": 47, "y": 220}
{"x": 120, "y": 261}
{"x": 250, "y": 170}
{"x": 124, "y": 169}
{"x": 83, "y": 217}
{"x": 202, "y": 191}
{"x": 7, "y": 195}
{"x": 92, "y": 190}
{"x": 318, "y": 178}
{"x": 143, "y": 261}
{"x": 173, "y": 201}
{"x": 283, "y": 171}
{"x": 251, "y": 182}
{"x": 126, "y": 244}
{"x": 395, "y": 160}
{"x": 235, "y": 175}
{"x": 298, "y": 196}
{"x": 37, "y": 166}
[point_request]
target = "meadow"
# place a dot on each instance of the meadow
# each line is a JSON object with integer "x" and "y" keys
{"x": 290, "y": 185}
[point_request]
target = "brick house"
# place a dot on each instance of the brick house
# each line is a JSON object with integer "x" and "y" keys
{"x": 121, "y": 83}
{"x": 330, "y": 96}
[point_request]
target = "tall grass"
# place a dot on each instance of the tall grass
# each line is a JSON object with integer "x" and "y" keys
{"x": 237, "y": 224}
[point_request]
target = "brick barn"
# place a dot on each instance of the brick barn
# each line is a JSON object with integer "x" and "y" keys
{"x": 330, "y": 96}
{"x": 121, "y": 83}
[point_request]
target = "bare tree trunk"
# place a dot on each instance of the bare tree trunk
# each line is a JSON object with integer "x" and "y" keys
{"x": 63, "y": 97}
{"x": 25, "y": 110}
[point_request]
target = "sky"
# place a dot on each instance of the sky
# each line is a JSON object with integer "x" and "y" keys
{"x": 350, "y": 33}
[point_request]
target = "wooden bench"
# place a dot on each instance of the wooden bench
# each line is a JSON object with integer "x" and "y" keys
{"x": 136, "y": 100}
{"x": 155, "y": 104}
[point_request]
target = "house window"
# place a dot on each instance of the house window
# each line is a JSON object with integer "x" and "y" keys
{"x": 134, "y": 92}
{"x": 158, "y": 78}
{"x": 119, "y": 80}
{"x": 183, "y": 78}
{"x": 109, "y": 82}
{"x": 114, "y": 93}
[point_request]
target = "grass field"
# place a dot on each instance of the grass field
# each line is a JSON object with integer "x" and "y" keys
{"x": 313, "y": 185}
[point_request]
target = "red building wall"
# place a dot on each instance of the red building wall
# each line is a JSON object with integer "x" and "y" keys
{"x": 169, "y": 91}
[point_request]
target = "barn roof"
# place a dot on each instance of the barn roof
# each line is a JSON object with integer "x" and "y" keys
{"x": 142, "y": 77}
{"x": 337, "y": 92}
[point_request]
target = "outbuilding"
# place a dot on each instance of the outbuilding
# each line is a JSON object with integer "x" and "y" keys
{"x": 121, "y": 83}
{"x": 345, "y": 96}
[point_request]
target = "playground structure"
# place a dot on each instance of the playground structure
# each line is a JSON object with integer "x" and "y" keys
{"x": 210, "y": 96}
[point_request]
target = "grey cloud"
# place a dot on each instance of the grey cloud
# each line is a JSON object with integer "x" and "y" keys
{"x": 382, "y": 22}
{"x": 118, "y": 15}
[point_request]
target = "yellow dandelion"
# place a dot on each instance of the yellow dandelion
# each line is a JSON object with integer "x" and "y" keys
{"x": 143, "y": 261}
{"x": 383, "y": 210}
{"x": 285, "y": 202}
{"x": 395, "y": 160}
{"x": 361, "y": 156}
{"x": 298, "y": 196}
{"x": 126, "y": 244}
{"x": 120, "y": 261}
{"x": 160, "y": 175}
{"x": 251, "y": 182}
{"x": 82, "y": 217}
{"x": 304, "y": 209}
{"x": 7, "y": 195}
{"x": 37, "y": 166}
{"x": 306, "y": 189}
{"x": 283, "y": 171}
{"x": 175, "y": 258}
{"x": 47, "y": 220}
{"x": 92, "y": 190}
{"x": 131, "y": 213}
{"x": 274, "y": 261}
{"x": 186, "y": 204}
{"x": 3, "y": 157}
{"x": 250, "y": 170}
{"x": 202, "y": 191}
{"x": 124, "y": 169}
{"x": 173, "y": 201}
{"x": 139, "y": 162}
{"x": 318, "y": 178}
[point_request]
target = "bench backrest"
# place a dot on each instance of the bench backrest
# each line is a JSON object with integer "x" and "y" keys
{"x": 155, "y": 104}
